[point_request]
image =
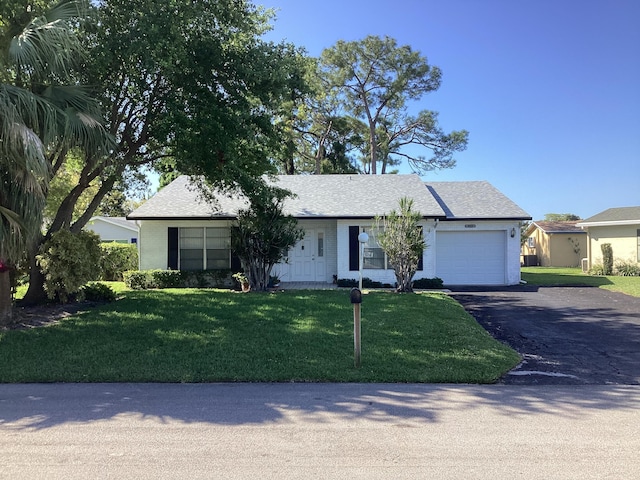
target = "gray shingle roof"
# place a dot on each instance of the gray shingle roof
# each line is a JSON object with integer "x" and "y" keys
{"x": 621, "y": 215}
{"x": 342, "y": 196}
{"x": 332, "y": 196}
{"x": 355, "y": 195}
{"x": 181, "y": 199}
{"x": 556, "y": 227}
{"x": 475, "y": 200}
{"x": 119, "y": 221}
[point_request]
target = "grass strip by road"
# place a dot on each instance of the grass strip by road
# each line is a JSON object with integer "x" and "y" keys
{"x": 555, "y": 276}
{"x": 200, "y": 335}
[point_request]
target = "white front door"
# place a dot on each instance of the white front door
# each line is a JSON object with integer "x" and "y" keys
{"x": 307, "y": 259}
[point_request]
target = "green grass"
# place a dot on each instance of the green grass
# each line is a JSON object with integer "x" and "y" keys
{"x": 554, "y": 276}
{"x": 191, "y": 335}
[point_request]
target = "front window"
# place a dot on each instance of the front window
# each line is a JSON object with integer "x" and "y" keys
{"x": 205, "y": 248}
{"x": 373, "y": 256}
{"x": 218, "y": 248}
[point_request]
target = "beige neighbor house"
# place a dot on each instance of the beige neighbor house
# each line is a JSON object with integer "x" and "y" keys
{"x": 114, "y": 229}
{"x": 554, "y": 244}
{"x": 471, "y": 229}
{"x": 619, "y": 227}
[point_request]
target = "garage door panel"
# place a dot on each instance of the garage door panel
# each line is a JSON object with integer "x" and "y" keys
{"x": 471, "y": 258}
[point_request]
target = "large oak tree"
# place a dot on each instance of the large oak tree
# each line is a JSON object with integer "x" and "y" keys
{"x": 191, "y": 81}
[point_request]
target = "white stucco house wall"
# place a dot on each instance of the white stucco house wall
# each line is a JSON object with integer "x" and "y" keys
{"x": 472, "y": 231}
{"x": 114, "y": 229}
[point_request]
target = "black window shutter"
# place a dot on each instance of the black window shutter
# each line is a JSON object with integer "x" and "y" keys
{"x": 421, "y": 260}
{"x": 172, "y": 258}
{"x": 354, "y": 231}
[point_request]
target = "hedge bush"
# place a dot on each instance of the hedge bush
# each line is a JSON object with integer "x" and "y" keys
{"x": 68, "y": 261}
{"x": 116, "y": 259}
{"x": 148, "y": 279}
{"x": 607, "y": 258}
{"x": 98, "y": 292}
{"x": 421, "y": 283}
{"x": 366, "y": 283}
{"x": 427, "y": 283}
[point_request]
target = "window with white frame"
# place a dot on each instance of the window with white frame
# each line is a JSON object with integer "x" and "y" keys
{"x": 531, "y": 242}
{"x": 373, "y": 257}
{"x": 204, "y": 248}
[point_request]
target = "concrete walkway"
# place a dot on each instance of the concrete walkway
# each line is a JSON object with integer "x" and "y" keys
{"x": 307, "y": 286}
{"x": 319, "y": 431}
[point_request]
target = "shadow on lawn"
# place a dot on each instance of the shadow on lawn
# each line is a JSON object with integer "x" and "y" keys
{"x": 28, "y": 407}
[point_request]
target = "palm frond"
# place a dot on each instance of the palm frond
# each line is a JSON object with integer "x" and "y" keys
{"x": 82, "y": 124}
{"x": 20, "y": 146}
{"x": 48, "y": 45}
{"x": 33, "y": 121}
{"x": 68, "y": 9}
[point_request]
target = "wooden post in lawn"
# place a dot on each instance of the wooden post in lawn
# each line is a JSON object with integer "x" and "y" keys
{"x": 356, "y": 299}
{"x": 356, "y": 335}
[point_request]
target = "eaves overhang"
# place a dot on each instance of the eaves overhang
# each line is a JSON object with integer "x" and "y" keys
{"x": 486, "y": 219}
{"x": 220, "y": 217}
{"x": 299, "y": 217}
{"x": 115, "y": 224}
{"x": 608, "y": 223}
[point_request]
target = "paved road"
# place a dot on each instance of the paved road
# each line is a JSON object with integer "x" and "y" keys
{"x": 319, "y": 431}
{"x": 566, "y": 335}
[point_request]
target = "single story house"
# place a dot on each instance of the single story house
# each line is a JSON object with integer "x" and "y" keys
{"x": 554, "y": 244}
{"x": 114, "y": 229}
{"x": 470, "y": 228}
{"x": 619, "y": 227}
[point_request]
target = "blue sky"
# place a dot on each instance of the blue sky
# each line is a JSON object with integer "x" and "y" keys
{"x": 548, "y": 89}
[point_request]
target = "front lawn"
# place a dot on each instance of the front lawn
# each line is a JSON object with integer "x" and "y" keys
{"x": 193, "y": 335}
{"x": 554, "y": 276}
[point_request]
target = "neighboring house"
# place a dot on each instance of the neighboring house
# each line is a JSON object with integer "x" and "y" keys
{"x": 554, "y": 244}
{"x": 114, "y": 229}
{"x": 470, "y": 228}
{"x": 618, "y": 226}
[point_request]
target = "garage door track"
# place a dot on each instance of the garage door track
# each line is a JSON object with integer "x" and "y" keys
{"x": 565, "y": 335}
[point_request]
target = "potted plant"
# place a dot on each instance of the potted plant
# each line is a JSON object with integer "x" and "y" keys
{"x": 242, "y": 279}
{"x": 274, "y": 281}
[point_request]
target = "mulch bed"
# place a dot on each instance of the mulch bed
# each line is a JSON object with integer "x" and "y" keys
{"x": 45, "y": 315}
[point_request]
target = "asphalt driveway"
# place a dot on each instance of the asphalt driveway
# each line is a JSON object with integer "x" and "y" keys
{"x": 565, "y": 335}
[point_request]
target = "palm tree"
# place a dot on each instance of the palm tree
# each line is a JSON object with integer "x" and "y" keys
{"x": 41, "y": 111}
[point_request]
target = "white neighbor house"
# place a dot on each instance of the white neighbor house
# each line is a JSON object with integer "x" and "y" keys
{"x": 114, "y": 229}
{"x": 472, "y": 230}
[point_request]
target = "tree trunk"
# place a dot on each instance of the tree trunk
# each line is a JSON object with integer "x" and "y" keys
{"x": 289, "y": 166}
{"x": 321, "y": 150}
{"x": 35, "y": 293}
{"x": 372, "y": 149}
{"x": 6, "y": 304}
{"x": 404, "y": 277}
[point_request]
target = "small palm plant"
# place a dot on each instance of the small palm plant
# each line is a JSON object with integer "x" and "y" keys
{"x": 401, "y": 238}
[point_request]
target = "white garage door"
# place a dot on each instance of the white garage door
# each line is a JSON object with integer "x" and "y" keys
{"x": 471, "y": 258}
